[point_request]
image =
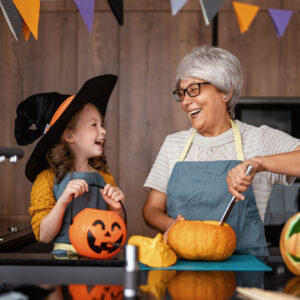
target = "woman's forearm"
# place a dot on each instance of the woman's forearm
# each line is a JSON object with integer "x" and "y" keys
{"x": 157, "y": 219}
{"x": 51, "y": 224}
{"x": 284, "y": 163}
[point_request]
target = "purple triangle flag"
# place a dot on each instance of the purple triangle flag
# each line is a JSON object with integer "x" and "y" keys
{"x": 176, "y": 6}
{"x": 86, "y": 9}
{"x": 280, "y": 18}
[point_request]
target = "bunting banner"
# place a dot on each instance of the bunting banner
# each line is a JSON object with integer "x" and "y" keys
{"x": 23, "y": 15}
{"x": 245, "y": 14}
{"x": 117, "y": 8}
{"x": 280, "y": 18}
{"x": 176, "y": 6}
{"x": 86, "y": 9}
{"x": 30, "y": 12}
{"x": 210, "y": 8}
{"x": 13, "y": 17}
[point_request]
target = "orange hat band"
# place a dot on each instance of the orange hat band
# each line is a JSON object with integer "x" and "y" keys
{"x": 59, "y": 112}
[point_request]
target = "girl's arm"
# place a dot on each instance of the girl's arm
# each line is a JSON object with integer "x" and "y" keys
{"x": 52, "y": 222}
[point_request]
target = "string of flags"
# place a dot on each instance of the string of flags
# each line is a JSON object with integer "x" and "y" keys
{"x": 245, "y": 13}
{"x": 23, "y": 16}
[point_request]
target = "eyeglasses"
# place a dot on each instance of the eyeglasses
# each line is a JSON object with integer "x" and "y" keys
{"x": 193, "y": 90}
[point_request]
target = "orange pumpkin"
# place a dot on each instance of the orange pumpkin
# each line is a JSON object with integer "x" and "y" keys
{"x": 94, "y": 292}
{"x": 290, "y": 244}
{"x": 202, "y": 285}
{"x": 293, "y": 287}
{"x": 202, "y": 240}
{"x": 97, "y": 233}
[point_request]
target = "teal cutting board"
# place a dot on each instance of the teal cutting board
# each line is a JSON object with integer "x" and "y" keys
{"x": 233, "y": 263}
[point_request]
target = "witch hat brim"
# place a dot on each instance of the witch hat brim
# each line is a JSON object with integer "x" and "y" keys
{"x": 97, "y": 91}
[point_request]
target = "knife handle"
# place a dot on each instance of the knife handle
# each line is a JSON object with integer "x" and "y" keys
{"x": 249, "y": 170}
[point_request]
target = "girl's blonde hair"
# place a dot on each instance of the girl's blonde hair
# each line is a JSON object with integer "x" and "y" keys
{"x": 61, "y": 159}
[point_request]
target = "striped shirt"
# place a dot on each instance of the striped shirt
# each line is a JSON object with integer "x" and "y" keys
{"x": 257, "y": 141}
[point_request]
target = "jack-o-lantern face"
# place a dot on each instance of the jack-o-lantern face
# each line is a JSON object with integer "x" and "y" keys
{"x": 290, "y": 244}
{"x": 95, "y": 292}
{"x": 97, "y": 233}
{"x": 101, "y": 238}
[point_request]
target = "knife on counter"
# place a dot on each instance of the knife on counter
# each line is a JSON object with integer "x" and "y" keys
{"x": 232, "y": 201}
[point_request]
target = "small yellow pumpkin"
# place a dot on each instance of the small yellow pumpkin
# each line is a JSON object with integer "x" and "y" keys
{"x": 155, "y": 253}
{"x": 290, "y": 244}
{"x": 157, "y": 282}
{"x": 202, "y": 285}
{"x": 202, "y": 240}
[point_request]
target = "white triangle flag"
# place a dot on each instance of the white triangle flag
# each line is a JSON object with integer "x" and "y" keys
{"x": 176, "y": 6}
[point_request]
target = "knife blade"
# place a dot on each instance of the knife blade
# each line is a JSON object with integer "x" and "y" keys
{"x": 232, "y": 201}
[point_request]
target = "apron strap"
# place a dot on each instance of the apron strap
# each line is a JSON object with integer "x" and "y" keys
{"x": 237, "y": 143}
{"x": 187, "y": 146}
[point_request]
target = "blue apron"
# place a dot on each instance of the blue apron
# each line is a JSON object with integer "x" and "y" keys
{"x": 91, "y": 199}
{"x": 198, "y": 191}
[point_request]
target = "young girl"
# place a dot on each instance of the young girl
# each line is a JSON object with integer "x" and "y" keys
{"x": 68, "y": 159}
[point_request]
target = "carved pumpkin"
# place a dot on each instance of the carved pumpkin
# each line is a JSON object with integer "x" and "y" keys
{"x": 94, "y": 292}
{"x": 293, "y": 287}
{"x": 97, "y": 233}
{"x": 202, "y": 240}
{"x": 290, "y": 244}
{"x": 155, "y": 253}
{"x": 202, "y": 285}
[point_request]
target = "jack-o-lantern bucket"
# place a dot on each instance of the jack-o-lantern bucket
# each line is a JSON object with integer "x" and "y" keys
{"x": 290, "y": 244}
{"x": 101, "y": 292}
{"x": 97, "y": 233}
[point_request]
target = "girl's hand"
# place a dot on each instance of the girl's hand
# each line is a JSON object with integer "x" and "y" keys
{"x": 112, "y": 195}
{"x": 179, "y": 217}
{"x": 74, "y": 189}
{"x": 237, "y": 180}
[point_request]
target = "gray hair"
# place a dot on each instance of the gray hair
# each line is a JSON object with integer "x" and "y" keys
{"x": 216, "y": 65}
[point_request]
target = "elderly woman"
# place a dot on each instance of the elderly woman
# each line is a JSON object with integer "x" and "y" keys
{"x": 197, "y": 170}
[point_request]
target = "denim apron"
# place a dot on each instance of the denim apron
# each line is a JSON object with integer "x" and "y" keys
{"x": 198, "y": 191}
{"x": 91, "y": 199}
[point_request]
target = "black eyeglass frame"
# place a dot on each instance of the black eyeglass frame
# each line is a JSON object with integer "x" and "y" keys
{"x": 186, "y": 90}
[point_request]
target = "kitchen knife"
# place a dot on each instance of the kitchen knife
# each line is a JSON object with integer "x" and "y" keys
{"x": 232, "y": 201}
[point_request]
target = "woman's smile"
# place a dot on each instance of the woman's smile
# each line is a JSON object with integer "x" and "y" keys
{"x": 195, "y": 113}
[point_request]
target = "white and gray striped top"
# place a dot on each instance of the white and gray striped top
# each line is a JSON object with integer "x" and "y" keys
{"x": 256, "y": 141}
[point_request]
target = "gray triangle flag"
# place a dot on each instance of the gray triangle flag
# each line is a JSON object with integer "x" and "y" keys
{"x": 210, "y": 8}
{"x": 13, "y": 17}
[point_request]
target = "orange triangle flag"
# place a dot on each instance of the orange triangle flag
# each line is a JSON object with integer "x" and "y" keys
{"x": 26, "y": 31}
{"x": 245, "y": 14}
{"x": 30, "y": 12}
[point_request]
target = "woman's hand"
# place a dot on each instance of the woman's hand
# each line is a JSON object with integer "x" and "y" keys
{"x": 237, "y": 180}
{"x": 74, "y": 189}
{"x": 179, "y": 217}
{"x": 112, "y": 195}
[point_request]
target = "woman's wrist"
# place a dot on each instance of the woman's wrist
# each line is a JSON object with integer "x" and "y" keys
{"x": 259, "y": 160}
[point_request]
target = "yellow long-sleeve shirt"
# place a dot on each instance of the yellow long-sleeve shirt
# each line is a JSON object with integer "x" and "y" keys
{"x": 43, "y": 200}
